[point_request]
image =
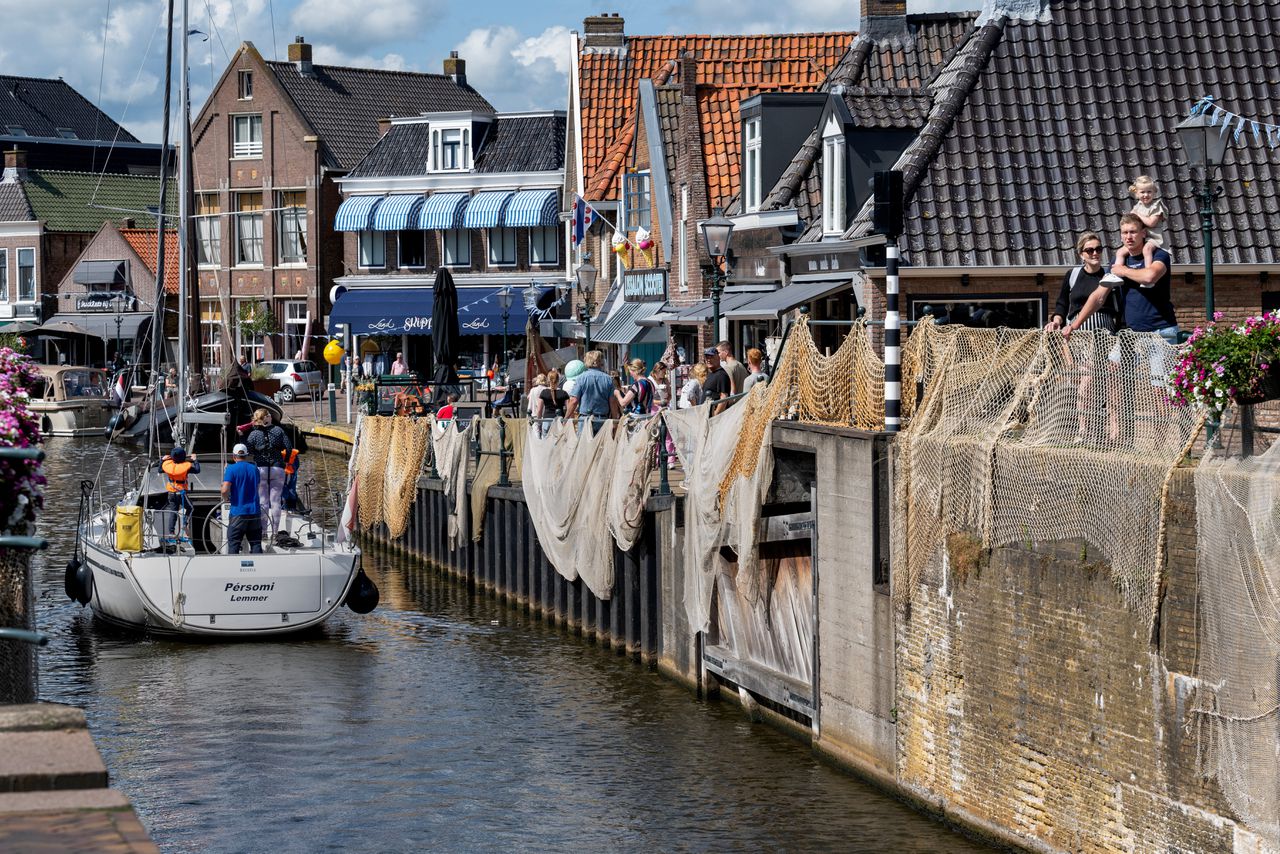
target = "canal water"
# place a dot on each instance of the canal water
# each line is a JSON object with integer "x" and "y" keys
{"x": 441, "y": 721}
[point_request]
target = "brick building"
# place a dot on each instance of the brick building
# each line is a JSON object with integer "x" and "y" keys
{"x": 268, "y": 146}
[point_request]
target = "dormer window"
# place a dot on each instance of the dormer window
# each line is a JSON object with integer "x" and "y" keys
{"x": 67, "y": 133}
{"x": 246, "y": 86}
{"x": 450, "y": 149}
{"x": 751, "y": 189}
{"x": 17, "y": 130}
{"x": 834, "y": 189}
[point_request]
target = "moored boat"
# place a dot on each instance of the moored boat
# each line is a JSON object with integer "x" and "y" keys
{"x": 71, "y": 400}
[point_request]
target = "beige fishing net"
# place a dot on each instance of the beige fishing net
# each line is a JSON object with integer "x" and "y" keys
{"x": 1026, "y": 437}
{"x": 371, "y": 455}
{"x": 1237, "y": 700}
{"x": 449, "y": 447}
{"x": 493, "y": 437}
{"x": 386, "y": 464}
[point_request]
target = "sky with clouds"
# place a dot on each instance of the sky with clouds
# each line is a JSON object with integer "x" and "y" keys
{"x": 517, "y": 52}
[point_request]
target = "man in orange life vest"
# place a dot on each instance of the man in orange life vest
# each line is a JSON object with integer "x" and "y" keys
{"x": 177, "y": 468}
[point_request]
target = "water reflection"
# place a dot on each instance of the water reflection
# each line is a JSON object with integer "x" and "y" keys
{"x": 440, "y": 721}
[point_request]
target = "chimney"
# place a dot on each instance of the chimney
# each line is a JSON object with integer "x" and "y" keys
{"x": 300, "y": 54}
{"x": 15, "y": 165}
{"x": 456, "y": 68}
{"x": 604, "y": 33}
{"x": 884, "y": 8}
{"x": 688, "y": 75}
{"x": 384, "y": 125}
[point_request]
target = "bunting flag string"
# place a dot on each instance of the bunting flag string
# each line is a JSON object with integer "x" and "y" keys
{"x": 1264, "y": 133}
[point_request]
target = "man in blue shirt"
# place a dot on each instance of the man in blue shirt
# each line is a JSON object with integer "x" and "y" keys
{"x": 1148, "y": 306}
{"x": 240, "y": 490}
{"x": 593, "y": 395}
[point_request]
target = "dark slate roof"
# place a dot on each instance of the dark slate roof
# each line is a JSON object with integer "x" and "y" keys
{"x": 83, "y": 201}
{"x": 883, "y": 77}
{"x": 523, "y": 144}
{"x": 13, "y": 203}
{"x": 1028, "y": 142}
{"x": 41, "y": 106}
{"x": 668, "y": 98}
{"x": 343, "y": 105}
{"x": 513, "y": 144}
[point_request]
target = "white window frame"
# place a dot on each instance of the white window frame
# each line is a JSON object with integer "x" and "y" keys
{"x": 4, "y": 275}
{"x": 295, "y": 327}
{"x": 401, "y": 243}
{"x": 244, "y": 84}
{"x": 460, "y": 256}
{"x": 637, "y": 204}
{"x": 502, "y": 233}
{"x": 252, "y": 218}
{"x": 250, "y": 148}
{"x": 450, "y": 148}
{"x": 684, "y": 238}
{"x": 751, "y": 148}
{"x": 834, "y": 171}
{"x": 542, "y": 239}
{"x": 209, "y": 237}
{"x": 291, "y": 228}
{"x": 212, "y": 344}
{"x": 253, "y": 346}
{"x": 372, "y": 250}
{"x": 35, "y": 275}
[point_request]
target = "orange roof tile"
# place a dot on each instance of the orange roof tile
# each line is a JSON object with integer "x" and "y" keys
{"x": 730, "y": 69}
{"x": 143, "y": 241}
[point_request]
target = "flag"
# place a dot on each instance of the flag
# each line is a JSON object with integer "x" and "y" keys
{"x": 120, "y": 391}
{"x": 584, "y": 216}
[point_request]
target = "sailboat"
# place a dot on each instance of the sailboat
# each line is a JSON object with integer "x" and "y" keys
{"x": 135, "y": 573}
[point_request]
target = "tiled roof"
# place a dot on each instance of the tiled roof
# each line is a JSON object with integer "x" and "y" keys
{"x": 40, "y": 107}
{"x": 13, "y": 203}
{"x": 143, "y": 242}
{"x": 62, "y": 200}
{"x": 1030, "y": 141}
{"x": 343, "y": 105}
{"x": 668, "y": 103}
{"x": 889, "y": 62}
{"x": 730, "y": 68}
{"x": 513, "y": 144}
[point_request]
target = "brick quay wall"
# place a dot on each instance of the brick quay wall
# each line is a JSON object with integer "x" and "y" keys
{"x": 1019, "y": 697}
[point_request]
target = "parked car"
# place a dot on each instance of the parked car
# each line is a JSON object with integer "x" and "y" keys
{"x": 295, "y": 378}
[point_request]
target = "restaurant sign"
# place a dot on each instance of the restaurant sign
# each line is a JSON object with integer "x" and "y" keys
{"x": 105, "y": 301}
{"x": 644, "y": 285}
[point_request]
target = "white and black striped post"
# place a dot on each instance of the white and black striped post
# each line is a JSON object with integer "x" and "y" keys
{"x": 892, "y": 340}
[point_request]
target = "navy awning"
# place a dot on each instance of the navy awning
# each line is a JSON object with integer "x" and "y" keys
{"x": 479, "y": 312}
{"x": 443, "y": 211}
{"x": 356, "y": 213}
{"x": 487, "y": 209}
{"x": 383, "y": 311}
{"x": 398, "y": 213}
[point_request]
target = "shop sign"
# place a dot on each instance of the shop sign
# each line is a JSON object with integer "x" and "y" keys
{"x": 644, "y": 285}
{"x": 104, "y": 302}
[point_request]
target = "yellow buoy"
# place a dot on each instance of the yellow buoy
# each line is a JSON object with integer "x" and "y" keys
{"x": 333, "y": 352}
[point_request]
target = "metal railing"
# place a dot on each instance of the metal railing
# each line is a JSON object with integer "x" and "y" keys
{"x": 18, "y": 665}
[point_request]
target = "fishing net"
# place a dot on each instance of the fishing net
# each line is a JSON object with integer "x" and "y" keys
{"x": 403, "y": 465}
{"x": 371, "y": 465}
{"x": 633, "y": 463}
{"x": 1237, "y": 700}
{"x": 449, "y": 446}
{"x": 1027, "y": 437}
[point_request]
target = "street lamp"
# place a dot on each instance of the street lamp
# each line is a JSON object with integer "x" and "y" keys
{"x": 1206, "y": 147}
{"x": 717, "y": 232}
{"x": 504, "y": 300}
{"x": 587, "y": 293}
{"x": 119, "y": 319}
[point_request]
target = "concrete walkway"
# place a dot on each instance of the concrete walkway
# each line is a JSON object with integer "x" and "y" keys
{"x": 53, "y": 787}
{"x": 313, "y": 418}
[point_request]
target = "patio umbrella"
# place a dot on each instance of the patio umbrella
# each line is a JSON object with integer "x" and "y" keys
{"x": 444, "y": 335}
{"x": 65, "y": 327}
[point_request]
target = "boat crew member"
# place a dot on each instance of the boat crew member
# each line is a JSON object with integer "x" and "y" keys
{"x": 266, "y": 441}
{"x": 177, "y": 468}
{"x": 240, "y": 490}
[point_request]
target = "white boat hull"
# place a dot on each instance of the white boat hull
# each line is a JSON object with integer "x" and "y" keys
{"x": 218, "y": 595}
{"x": 88, "y": 418}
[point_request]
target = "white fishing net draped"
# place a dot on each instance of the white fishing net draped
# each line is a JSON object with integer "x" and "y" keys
{"x": 1026, "y": 437}
{"x": 1237, "y": 700}
{"x": 585, "y": 490}
{"x": 449, "y": 445}
{"x": 776, "y": 631}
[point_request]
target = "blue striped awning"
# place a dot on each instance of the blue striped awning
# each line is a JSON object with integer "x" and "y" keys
{"x": 356, "y": 213}
{"x": 443, "y": 210}
{"x": 487, "y": 209}
{"x": 533, "y": 208}
{"x": 397, "y": 212}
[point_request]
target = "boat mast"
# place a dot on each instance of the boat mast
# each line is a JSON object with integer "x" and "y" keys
{"x": 184, "y": 219}
{"x": 154, "y": 387}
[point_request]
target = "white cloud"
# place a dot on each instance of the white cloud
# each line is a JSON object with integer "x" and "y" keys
{"x": 327, "y": 54}
{"x": 362, "y": 24}
{"x": 516, "y": 72}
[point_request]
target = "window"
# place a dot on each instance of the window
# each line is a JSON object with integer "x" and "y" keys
{"x": 373, "y": 249}
{"x": 833, "y": 178}
{"x": 26, "y": 275}
{"x": 17, "y": 130}
{"x": 1014, "y": 312}
{"x": 502, "y": 246}
{"x": 209, "y": 229}
{"x": 751, "y": 165}
{"x": 450, "y": 149}
{"x": 295, "y": 326}
{"x": 211, "y": 332}
{"x": 413, "y": 248}
{"x": 248, "y": 136}
{"x": 636, "y": 186}
{"x": 544, "y": 245}
{"x": 249, "y": 229}
{"x": 246, "y": 86}
{"x": 4, "y": 275}
{"x": 67, "y": 133}
{"x": 253, "y": 346}
{"x": 457, "y": 247}
{"x": 291, "y": 227}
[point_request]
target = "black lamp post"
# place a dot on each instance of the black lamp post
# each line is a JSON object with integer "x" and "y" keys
{"x": 504, "y": 300}
{"x": 716, "y": 234}
{"x": 587, "y": 293}
{"x": 119, "y": 319}
{"x": 1206, "y": 147}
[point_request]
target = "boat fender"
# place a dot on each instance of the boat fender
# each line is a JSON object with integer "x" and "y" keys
{"x": 363, "y": 595}
{"x": 84, "y": 584}
{"x": 69, "y": 581}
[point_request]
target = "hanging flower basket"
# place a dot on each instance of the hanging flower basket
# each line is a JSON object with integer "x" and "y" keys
{"x": 1268, "y": 389}
{"x": 1229, "y": 364}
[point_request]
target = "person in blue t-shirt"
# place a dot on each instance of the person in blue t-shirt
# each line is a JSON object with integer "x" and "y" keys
{"x": 240, "y": 490}
{"x": 593, "y": 398}
{"x": 1148, "y": 306}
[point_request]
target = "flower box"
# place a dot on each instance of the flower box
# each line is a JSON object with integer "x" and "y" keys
{"x": 1224, "y": 363}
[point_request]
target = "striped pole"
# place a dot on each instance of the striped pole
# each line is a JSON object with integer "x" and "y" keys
{"x": 892, "y": 341}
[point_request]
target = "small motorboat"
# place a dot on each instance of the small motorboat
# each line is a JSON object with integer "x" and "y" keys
{"x": 72, "y": 400}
